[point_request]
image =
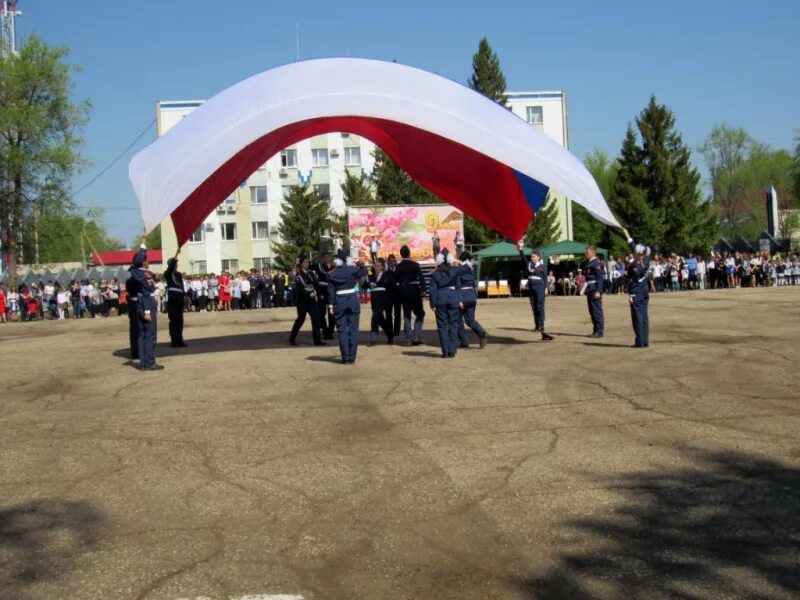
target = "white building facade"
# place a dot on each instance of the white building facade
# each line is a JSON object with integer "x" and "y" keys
{"x": 240, "y": 233}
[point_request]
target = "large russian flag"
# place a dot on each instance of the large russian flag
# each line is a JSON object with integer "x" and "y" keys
{"x": 464, "y": 148}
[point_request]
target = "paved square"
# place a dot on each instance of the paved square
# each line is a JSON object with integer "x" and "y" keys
{"x": 575, "y": 469}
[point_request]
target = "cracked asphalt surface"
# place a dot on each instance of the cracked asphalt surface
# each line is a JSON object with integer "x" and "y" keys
{"x": 575, "y": 469}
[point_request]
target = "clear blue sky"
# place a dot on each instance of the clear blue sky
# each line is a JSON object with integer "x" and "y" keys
{"x": 711, "y": 61}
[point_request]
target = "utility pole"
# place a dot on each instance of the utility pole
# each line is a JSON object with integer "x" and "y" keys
{"x": 8, "y": 47}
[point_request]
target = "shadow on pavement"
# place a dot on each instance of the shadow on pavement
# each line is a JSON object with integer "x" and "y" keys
{"x": 602, "y": 345}
{"x": 727, "y": 527}
{"x": 39, "y": 539}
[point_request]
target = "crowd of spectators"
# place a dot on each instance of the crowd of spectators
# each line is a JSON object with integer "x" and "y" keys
{"x": 672, "y": 273}
{"x": 99, "y": 299}
{"x": 262, "y": 289}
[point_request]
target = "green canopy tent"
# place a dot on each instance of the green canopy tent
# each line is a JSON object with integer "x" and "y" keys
{"x": 569, "y": 248}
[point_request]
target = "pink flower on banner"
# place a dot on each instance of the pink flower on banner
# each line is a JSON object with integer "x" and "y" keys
{"x": 410, "y": 212}
{"x": 390, "y": 236}
{"x": 396, "y": 220}
{"x": 381, "y": 224}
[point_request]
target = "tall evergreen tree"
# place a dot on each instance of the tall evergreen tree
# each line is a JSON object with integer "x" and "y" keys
{"x": 357, "y": 192}
{"x": 487, "y": 77}
{"x": 657, "y": 192}
{"x": 543, "y": 228}
{"x": 306, "y": 218}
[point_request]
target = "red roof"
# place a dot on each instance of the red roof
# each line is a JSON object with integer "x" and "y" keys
{"x": 116, "y": 258}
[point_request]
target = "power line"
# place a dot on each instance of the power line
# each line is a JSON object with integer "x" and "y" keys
{"x": 116, "y": 159}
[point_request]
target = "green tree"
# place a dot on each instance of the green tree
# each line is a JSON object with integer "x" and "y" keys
{"x": 65, "y": 235}
{"x": 796, "y": 168}
{"x": 543, "y": 228}
{"x": 306, "y": 219}
{"x": 357, "y": 192}
{"x": 39, "y": 136}
{"x": 487, "y": 76}
{"x": 395, "y": 186}
{"x": 657, "y": 192}
{"x": 153, "y": 239}
{"x": 585, "y": 227}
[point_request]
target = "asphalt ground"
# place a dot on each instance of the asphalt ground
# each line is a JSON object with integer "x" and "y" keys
{"x": 578, "y": 468}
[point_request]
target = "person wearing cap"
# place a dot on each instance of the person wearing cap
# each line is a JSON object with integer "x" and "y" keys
{"x": 381, "y": 305}
{"x": 446, "y": 301}
{"x": 147, "y": 310}
{"x": 321, "y": 269}
{"x": 411, "y": 282}
{"x": 469, "y": 302}
{"x": 175, "y": 302}
{"x": 639, "y": 291}
{"x": 343, "y": 304}
{"x": 537, "y": 288}
{"x": 306, "y": 290}
{"x": 393, "y": 289}
{"x": 595, "y": 283}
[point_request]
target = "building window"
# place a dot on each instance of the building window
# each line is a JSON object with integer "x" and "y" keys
{"x": 200, "y": 267}
{"x": 289, "y": 158}
{"x": 260, "y": 230}
{"x": 258, "y": 194}
{"x": 261, "y": 263}
{"x": 319, "y": 157}
{"x": 198, "y": 235}
{"x": 286, "y": 189}
{"x": 230, "y": 200}
{"x": 228, "y": 231}
{"x": 352, "y": 157}
{"x": 230, "y": 264}
{"x": 535, "y": 116}
{"x": 324, "y": 190}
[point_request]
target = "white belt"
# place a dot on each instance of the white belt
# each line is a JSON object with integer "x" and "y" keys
{"x": 132, "y": 299}
{"x": 534, "y": 277}
{"x": 325, "y": 283}
{"x": 345, "y": 292}
{"x": 641, "y": 280}
{"x": 592, "y": 282}
{"x": 469, "y": 287}
{"x": 450, "y": 287}
{"x": 175, "y": 290}
{"x": 379, "y": 289}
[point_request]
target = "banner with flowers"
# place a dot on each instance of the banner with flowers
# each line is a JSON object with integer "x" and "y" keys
{"x": 413, "y": 226}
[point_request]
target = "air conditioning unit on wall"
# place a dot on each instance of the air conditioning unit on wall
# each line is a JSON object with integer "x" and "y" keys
{"x": 209, "y": 227}
{"x": 283, "y": 172}
{"x": 334, "y": 153}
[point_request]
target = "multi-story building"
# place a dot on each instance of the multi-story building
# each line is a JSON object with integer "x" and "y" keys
{"x": 240, "y": 233}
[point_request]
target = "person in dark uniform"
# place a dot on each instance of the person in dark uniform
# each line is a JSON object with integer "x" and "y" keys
{"x": 469, "y": 302}
{"x": 446, "y": 301}
{"x": 173, "y": 279}
{"x": 639, "y": 291}
{"x": 344, "y": 306}
{"x": 411, "y": 282}
{"x": 381, "y": 306}
{"x": 306, "y": 290}
{"x": 537, "y": 288}
{"x": 147, "y": 310}
{"x": 321, "y": 269}
{"x": 395, "y": 303}
{"x": 133, "y": 287}
{"x": 594, "y": 272}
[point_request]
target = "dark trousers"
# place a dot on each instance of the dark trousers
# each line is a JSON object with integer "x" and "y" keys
{"x": 447, "y": 317}
{"x": 175, "y": 313}
{"x": 306, "y": 307}
{"x": 133, "y": 328}
{"x": 396, "y": 309}
{"x": 347, "y": 315}
{"x": 265, "y": 298}
{"x": 537, "y": 305}
{"x": 148, "y": 332}
{"x": 467, "y": 319}
{"x": 595, "y": 312}
{"x": 326, "y": 321}
{"x": 640, "y": 319}
{"x": 381, "y": 317}
{"x": 412, "y": 303}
